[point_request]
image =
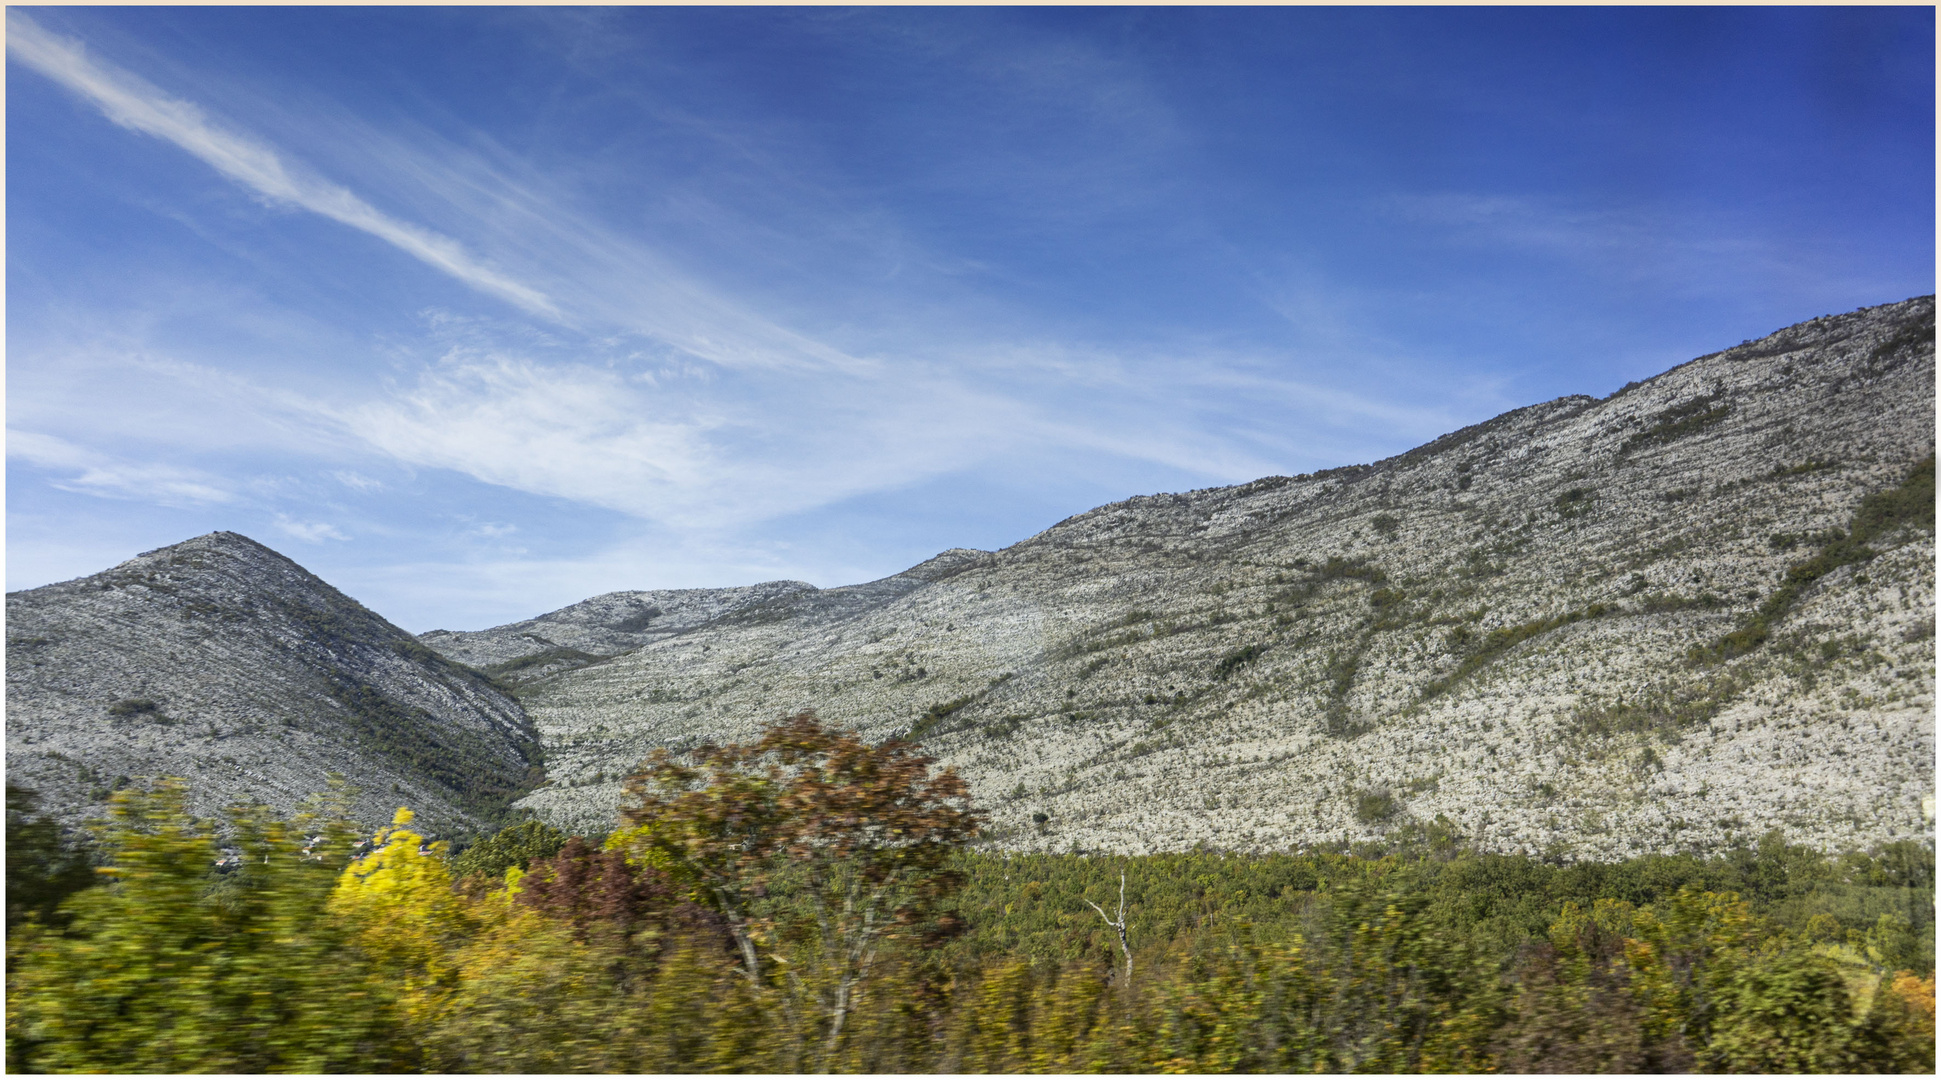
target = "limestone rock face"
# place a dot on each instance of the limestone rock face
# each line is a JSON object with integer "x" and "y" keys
{"x": 222, "y": 662}
{"x": 1506, "y": 628}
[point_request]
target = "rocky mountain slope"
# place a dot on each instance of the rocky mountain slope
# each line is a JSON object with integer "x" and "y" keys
{"x": 617, "y": 622}
{"x": 222, "y": 662}
{"x": 1669, "y": 619}
{"x": 1588, "y": 628}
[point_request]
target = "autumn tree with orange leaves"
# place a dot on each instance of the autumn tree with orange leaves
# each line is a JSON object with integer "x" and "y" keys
{"x": 811, "y": 841}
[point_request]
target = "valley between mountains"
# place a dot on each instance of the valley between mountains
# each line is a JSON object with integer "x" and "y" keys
{"x": 1670, "y": 619}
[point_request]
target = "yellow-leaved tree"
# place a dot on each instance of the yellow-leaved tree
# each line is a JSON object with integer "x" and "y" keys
{"x": 407, "y": 918}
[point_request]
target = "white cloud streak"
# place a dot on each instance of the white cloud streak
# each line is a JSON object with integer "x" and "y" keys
{"x": 90, "y": 472}
{"x": 131, "y": 102}
{"x": 687, "y": 452}
{"x": 357, "y": 481}
{"x": 770, "y": 422}
{"x": 609, "y": 282}
{"x": 308, "y": 531}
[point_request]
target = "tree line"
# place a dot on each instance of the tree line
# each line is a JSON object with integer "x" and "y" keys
{"x": 812, "y": 902}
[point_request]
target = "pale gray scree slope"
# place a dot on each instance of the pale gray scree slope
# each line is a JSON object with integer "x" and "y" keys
{"x": 1496, "y": 629}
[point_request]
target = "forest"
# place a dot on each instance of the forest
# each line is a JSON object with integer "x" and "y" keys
{"x": 811, "y": 902}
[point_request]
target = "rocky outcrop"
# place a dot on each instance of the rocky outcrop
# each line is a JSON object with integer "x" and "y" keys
{"x": 1513, "y": 628}
{"x": 222, "y": 662}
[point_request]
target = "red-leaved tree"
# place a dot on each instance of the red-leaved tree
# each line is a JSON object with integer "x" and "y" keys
{"x": 855, "y": 838}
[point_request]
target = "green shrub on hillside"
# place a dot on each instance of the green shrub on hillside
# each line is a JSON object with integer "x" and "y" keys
{"x": 1908, "y": 505}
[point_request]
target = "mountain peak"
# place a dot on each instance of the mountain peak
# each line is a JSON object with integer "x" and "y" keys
{"x": 222, "y": 661}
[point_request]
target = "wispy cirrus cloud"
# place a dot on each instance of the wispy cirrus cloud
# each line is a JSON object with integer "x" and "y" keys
{"x": 133, "y": 103}
{"x": 92, "y": 472}
{"x": 1688, "y": 248}
{"x": 576, "y": 272}
{"x": 612, "y": 283}
{"x": 308, "y": 531}
{"x": 679, "y": 447}
{"x": 607, "y": 407}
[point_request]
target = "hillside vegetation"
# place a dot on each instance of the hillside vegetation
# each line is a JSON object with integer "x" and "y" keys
{"x": 807, "y": 902}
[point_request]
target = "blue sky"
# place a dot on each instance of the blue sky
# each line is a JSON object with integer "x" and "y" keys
{"x": 478, "y": 312}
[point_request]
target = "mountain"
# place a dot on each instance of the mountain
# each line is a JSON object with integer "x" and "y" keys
{"x": 1670, "y": 619}
{"x": 222, "y": 662}
{"x": 612, "y": 623}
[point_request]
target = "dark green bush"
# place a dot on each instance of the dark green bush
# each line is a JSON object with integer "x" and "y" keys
{"x": 1234, "y": 660}
{"x": 1678, "y": 421}
{"x": 1374, "y": 806}
{"x": 510, "y": 847}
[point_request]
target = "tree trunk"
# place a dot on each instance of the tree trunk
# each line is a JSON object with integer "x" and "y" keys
{"x": 738, "y": 926}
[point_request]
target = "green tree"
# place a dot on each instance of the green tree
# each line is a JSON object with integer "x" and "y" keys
{"x": 42, "y": 871}
{"x": 1574, "y": 1009}
{"x": 516, "y": 846}
{"x": 162, "y": 971}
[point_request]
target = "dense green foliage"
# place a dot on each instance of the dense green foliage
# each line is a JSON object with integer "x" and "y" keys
{"x": 41, "y": 870}
{"x": 1032, "y": 904}
{"x": 469, "y": 765}
{"x": 710, "y": 935}
{"x": 514, "y": 846}
{"x": 172, "y": 968}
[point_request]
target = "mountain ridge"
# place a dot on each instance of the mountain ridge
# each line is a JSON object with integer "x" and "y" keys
{"x": 1167, "y": 670}
{"x": 1501, "y": 633}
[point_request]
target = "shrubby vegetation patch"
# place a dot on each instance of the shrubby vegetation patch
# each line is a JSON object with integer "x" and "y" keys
{"x": 719, "y": 929}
